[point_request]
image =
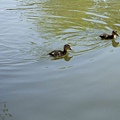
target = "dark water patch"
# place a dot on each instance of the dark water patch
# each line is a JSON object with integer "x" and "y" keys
{"x": 4, "y": 112}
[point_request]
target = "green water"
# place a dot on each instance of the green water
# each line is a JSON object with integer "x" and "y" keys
{"x": 84, "y": 85}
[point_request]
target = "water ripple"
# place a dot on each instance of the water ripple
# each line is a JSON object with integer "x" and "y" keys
{"x": 57, "y": 24}
{"x": 96, "y": 21}
{"x": 97, "y": 15}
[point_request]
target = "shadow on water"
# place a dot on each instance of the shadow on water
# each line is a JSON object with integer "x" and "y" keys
{"x": 4, "y": 112}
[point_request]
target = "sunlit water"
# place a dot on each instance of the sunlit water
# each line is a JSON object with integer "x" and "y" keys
{"x": 81, "y": 86}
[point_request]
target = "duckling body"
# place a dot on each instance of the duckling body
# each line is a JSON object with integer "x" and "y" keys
{"x": 109, "y": 36}
{"x": 60, "y": 53}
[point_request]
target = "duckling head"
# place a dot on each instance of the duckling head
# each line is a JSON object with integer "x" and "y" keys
{"x": 67, "y": 47}
{"x": 115, "y": 34}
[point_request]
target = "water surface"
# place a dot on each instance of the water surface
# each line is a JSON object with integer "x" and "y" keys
{"x": 83, "y": 85}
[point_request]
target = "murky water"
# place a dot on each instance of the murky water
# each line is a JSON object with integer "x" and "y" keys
{"x": 83, "y": 85}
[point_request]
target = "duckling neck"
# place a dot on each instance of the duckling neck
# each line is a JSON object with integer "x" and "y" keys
{"x": 64, "y": 52}
{"x": 114, "y": 36}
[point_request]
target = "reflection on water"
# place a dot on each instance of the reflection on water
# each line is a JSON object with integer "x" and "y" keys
{"x": 4, "y": 111}
{"x": 78, "y": 23}
{"x": 66, "y": 58}
{"x": 114, "y": 43}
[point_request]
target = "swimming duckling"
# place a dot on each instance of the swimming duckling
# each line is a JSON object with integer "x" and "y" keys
{"x": 59, "y": 53}
{"x": 108, "y": 36}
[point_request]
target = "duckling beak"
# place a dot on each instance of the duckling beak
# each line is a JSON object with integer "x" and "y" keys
{"x": 70, "y": 49}
{"x": 117, "y": 35}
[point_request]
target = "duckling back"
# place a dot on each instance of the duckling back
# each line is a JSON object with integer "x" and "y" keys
{"x": 104, "y": 36}
{"x": 57, "y": 53}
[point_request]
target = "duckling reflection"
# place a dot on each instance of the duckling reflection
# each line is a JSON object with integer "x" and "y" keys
{"x": 114, "y": 43}
{"x": 109, "y": 36}
{"x": 66, "y": 57}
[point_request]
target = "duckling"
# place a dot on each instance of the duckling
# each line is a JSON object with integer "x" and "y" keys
{"x": 108, "y": 36}
{"x": 59, "y": 53}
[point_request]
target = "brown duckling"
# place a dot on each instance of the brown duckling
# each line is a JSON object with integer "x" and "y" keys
{"x": 59, "y": 53}
{"x": 109, "y": 36}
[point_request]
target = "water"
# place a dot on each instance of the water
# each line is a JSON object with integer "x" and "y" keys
{"x": 83, "y": 85}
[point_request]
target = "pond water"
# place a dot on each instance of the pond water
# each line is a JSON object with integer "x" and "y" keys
{"x": 84, "y": 85}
